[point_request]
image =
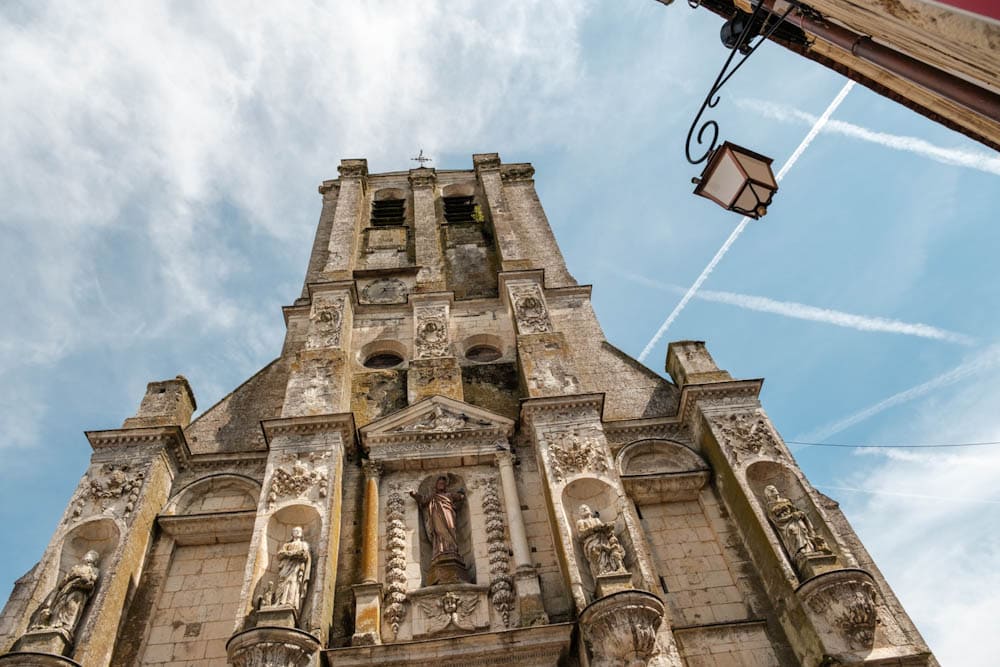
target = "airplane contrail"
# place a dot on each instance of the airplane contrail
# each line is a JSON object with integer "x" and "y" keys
{"x": 954, "y": 156}
{"x": 987, "y": 359}
{"x": 817, "y": 126}
{"x": 803, "y": 311}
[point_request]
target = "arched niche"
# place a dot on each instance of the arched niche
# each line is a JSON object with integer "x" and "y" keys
{"x": 101, "y": 535}
{"x": 467, "y": 189}
{"x": 278, "y": 532}
{"x": 463, "y": 528}
{"x": 216, "y": 493}
{"x": 602, "y": 500}
{"x": 661, "y": 471}
{"x": 761, "y": 474}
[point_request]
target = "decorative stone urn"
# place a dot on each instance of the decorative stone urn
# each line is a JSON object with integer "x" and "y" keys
{"x": 620, "y": 628}
{"x": 841, "y": 606}
{"x": 271, "y": 647}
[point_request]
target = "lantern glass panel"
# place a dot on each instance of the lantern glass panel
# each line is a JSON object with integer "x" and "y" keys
{"x": 747, "y": 201}
{"x": 758, "y": 170}
{"x": 725, "y": 182}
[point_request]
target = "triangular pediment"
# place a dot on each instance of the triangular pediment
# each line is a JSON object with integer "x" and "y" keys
{"x": 439, "y": 415}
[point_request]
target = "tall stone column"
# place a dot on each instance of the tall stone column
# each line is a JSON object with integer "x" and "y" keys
{"x": 427, "y": 238}
{"x": 529, "y": 592}
{"x": 368, "y": 594}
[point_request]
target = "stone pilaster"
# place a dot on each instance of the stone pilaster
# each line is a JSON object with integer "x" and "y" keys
{"x": 319, "y": 382}
{"x": 300, "y": 500}
{"x": 345, "y": 229}
{"x": 368, "y": 594}
{"x": 529, "y": 592}
{"x": 487, "y": 167}
{"x": 531, "y": 226}
{"x": 546, "y": 364}
{"x": 434, "y": 369}
{"x": 593, "y": 518}
{"x": 427, "y": 236}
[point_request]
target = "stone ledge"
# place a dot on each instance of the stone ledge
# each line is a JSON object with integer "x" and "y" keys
{"x": 538, "y": 646}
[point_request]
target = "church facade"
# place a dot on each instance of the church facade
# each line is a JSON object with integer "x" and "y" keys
{"x": 448, "y": 462}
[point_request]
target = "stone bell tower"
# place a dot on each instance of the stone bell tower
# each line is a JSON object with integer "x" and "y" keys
{"x": 447, "y": 462}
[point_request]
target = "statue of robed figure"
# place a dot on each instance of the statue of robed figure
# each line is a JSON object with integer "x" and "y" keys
{"x": 63, "y": 607}
{"x": 439, "y": 510}
{"x": 796, "y": 531}
{"x": 288, "y": 589}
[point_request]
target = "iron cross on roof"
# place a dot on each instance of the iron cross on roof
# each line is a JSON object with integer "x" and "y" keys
{"x": 421, "y": 159}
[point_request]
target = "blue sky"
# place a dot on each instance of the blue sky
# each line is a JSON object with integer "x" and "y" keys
{"x": 159, "y": 181}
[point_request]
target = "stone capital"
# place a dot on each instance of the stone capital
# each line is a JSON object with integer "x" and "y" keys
{"x": 371, "y": 469}
{"x": 504, "y": 457}
{"x": 511, "y": 173}
{"x": 424, "y": 177}
{"x": 353, "y": 168}
{"x": 486, "y": 162}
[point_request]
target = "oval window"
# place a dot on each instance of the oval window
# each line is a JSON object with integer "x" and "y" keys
{"x": 383, "y": 360}
{"x": 483, "y": 353}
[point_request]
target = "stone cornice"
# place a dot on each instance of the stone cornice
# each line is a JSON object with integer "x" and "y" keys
{"x": 341, "y": 422}
{"x": 532, "y": 407}
{"x": 486, "y": 162}
{"x": 624, "y": 431}
{"x": 693, "y": 394}
{"x": 328, "y": 186}
{"x": 518, "y": 172}
{"x": 171, "y": 438}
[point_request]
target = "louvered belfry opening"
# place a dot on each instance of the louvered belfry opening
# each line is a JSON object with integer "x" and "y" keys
{"x": 388, "y": 212}
{"x": 459, "y": 209}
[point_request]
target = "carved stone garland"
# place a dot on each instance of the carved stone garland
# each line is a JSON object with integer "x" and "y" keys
{"x": 271, "y": 654}
{"x": 431, "y": 332}
{"x": 326, "y": 317}
{"x": 529, "y": 309}
{"x": 105, "y": 488}
{"x": 501, "y": 583}
{"x": 395, "y": 564}
{"x": 748, "y": 434}
{"x": 297, "y": 480}
{"x": 574, "y": 452}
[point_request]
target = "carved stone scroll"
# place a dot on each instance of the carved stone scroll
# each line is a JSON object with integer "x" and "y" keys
{"x": 575, "y": 451}
{"x": 529, "y": 309}
{"x": 326, "y": 318}
{"x": 748, "y": 435}
{"x": 298, "y": 479}
{"x": 501, "y": 583}
{"x": 113, "y": 489}
{"x": 431, "y": 331}
{"x": 395, "y": 563}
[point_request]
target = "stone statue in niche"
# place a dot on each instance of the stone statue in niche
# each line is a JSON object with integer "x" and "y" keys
{"x": 796, "y": 531}
{"x": 440, "y": 512}
{"x": 604, "y": 552}
{"x": 64, "y": 606}
{"x": 294, "y": 571}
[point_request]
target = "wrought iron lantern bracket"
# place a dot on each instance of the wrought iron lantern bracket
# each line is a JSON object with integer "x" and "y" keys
{"x": 712, "y": 99}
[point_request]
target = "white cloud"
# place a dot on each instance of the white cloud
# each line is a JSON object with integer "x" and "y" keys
{"x": 948, "y": 583}
{"x": 801, "y": 311}
{"x": 985, "y": 359}
{"x": 978, "y": 160}
{"x": 130, "y": 129}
